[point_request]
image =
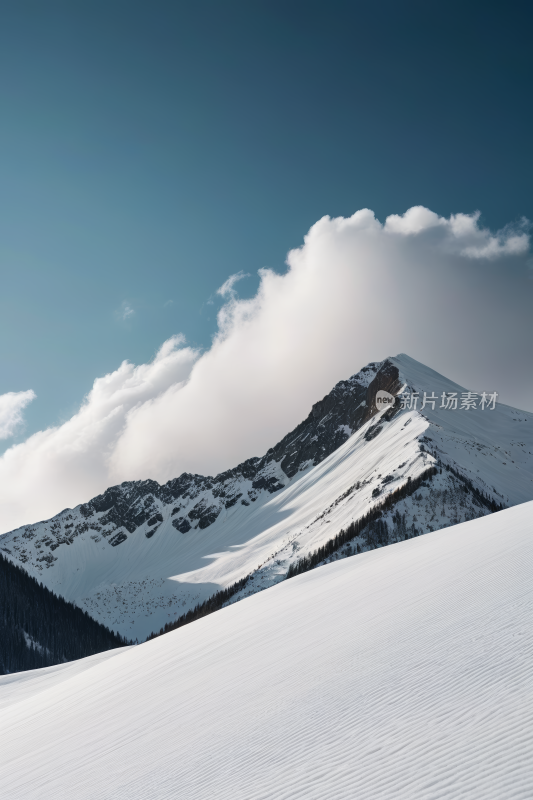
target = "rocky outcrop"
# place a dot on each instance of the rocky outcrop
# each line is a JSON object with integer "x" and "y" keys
{"x": 387, "y": 379}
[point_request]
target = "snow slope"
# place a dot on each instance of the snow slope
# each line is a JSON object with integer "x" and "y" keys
{"x": 142, "y": 555}
{"x": 404, "y": 672}
{"x": 21, "y": 685}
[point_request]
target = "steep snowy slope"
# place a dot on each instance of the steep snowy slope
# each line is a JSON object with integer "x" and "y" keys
{"x": 141, "y": 555}
{"x": 399, "y": 673}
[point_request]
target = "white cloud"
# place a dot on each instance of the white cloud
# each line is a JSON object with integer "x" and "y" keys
{"x": 415, "y": 220}
{"x": 461, "y": 233}
{"x": 356, "y": 291}
{"x": 65, "y": 465}
{"x": 12, "y": 405}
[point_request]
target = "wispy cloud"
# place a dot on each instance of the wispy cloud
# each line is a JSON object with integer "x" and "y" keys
{"x": 125, "y": 312}
{"x": 227, "y": 288}
{"x": 12, "y": 405}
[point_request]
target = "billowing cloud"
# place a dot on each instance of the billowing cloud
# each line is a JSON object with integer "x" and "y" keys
{"x": 447, "y": 291}
{"x": 461, "y": 233}
{"x": 63, "y": 466}
{"x": 12, "y": 404}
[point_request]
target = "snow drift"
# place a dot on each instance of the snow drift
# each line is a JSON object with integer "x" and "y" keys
{"x": 404, "y": 672}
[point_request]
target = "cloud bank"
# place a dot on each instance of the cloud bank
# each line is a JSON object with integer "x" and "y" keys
{"x": 447, "y": 291}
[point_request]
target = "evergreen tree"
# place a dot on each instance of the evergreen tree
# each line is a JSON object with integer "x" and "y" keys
{"x": 39, "y": 629}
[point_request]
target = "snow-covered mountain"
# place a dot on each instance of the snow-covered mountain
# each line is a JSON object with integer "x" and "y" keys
{"x": 401, "y": 674}
{"x": 141, "y": 554}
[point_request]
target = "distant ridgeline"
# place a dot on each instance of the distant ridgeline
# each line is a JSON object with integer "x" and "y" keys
{"x": 40, "y": 629}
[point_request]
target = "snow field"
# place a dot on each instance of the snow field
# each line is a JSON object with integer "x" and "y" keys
{"x": 21, "y": 685}
{"x": 404, "y": 672}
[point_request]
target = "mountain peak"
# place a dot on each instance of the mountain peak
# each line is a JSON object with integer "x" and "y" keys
{"x": 141, "y": 554}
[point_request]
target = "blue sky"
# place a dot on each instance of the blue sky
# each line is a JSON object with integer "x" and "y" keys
{"x": 150, "y": 150}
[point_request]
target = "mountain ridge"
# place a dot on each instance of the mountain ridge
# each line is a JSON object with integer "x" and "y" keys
{"x": 141, "y": 555}
{"x": 118, "y": 500}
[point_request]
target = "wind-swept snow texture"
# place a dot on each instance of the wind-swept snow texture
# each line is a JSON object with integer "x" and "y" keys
{"x": 142, "y": 555}
{"x": 404, "y": 672}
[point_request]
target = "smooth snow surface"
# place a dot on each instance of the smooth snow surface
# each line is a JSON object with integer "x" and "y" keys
{"x": 21, "y": 685}
{"x": 404, "y": 672}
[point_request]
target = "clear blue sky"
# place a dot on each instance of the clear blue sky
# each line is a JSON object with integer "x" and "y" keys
{"x": 151, "y": 149}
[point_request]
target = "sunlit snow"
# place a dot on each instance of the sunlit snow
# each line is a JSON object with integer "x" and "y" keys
{"x": 404, "y": 672}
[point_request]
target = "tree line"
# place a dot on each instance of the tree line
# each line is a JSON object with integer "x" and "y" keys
{"x": 378, "y": 528}
{"x": 356, "y": 528}
{"x": 482, "y": 498}
{"x": 40, "y": 629}
{"x": 213, "y": 603}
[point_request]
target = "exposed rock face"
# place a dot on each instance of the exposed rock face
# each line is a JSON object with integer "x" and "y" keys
{"x": 333, "y": 419}
{"x": 197, "y": 500}
{"x": 181, "y": 524}
{"x": 388, "y": 379}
